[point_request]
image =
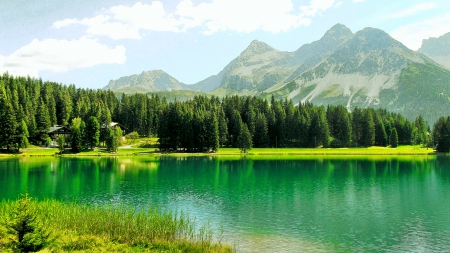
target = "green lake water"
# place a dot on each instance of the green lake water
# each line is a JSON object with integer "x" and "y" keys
{"x": 265, "y": 204}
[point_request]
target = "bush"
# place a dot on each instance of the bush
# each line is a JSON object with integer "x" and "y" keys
{"x": 26, "y": 231}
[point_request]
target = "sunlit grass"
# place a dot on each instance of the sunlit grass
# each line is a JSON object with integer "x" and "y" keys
{"x": 82, "y": 228}
{"x": 146, "y": 146}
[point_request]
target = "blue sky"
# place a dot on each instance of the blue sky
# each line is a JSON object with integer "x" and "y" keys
{"x": 90, "y": 42}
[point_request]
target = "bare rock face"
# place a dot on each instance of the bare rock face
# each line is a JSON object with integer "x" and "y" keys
{"x": 437, "y": 49}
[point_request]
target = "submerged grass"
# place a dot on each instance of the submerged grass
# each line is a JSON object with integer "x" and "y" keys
{"x": 83, "y": 228}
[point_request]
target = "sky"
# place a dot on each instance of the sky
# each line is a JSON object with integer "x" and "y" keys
{"x": 90, "y": 42}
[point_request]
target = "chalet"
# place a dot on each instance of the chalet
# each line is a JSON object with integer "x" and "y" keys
{"x": 57, "y": 130}
{"x": 113, "y": 126}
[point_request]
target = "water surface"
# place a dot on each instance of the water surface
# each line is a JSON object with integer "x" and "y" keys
{"x": 269, "y": 204}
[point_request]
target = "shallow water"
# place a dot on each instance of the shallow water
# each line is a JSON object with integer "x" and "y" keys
{"x": 273, "y": 204}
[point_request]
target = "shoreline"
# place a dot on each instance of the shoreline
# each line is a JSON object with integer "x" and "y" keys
{"x": 371, "y": 151}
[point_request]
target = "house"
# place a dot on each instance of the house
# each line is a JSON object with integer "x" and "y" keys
{"x": 113, "y": 126}
{"x": 55, "y": 131}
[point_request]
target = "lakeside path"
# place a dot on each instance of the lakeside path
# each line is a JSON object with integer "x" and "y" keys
{"x": 130, "y": 151}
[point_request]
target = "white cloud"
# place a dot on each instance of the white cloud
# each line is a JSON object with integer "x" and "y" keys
{"x": 413, "y": 10}
{"x": 412, "y": 35}
{"x": 317, "y": 6}
{"x": 126, "y": 22}
{"x": 241, "y": 15}
{"x": 120, "y": 22}
{"x": 59, "y": 56}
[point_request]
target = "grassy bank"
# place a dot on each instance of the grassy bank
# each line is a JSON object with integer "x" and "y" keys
{"x": 68, "y": 227}
{"x": 131, "y": 151}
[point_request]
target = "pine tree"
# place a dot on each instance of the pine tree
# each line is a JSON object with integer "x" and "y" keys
{"x": 8, "y": 122}
{"x": 244, "y": 139}
{"x": 393, "y": 138}
{"x": 77, "y": 134}
{"x": 367, "y": 129}
{"x": 261, "y": 136}
{"x": 22, "y": 136}
{"x": 441, "y": 134}
{"x": 92, "y": 134}
{"x": 43, "y": 123}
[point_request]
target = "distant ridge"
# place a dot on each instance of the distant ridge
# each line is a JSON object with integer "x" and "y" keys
{"x": 365, "y": 69}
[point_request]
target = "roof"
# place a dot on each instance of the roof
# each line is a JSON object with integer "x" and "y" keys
{"x": 113, "y": 124}
{"x": 56, "y": 128}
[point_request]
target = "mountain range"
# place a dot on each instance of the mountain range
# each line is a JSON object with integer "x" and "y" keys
{"x": 365, "y": 69}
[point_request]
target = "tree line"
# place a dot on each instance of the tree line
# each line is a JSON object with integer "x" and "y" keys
{"x": 29, "y": 106}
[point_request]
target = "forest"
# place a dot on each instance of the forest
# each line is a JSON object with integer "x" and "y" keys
{"x": 29, "y": 107}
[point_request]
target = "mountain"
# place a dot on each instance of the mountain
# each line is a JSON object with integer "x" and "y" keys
{"x": 371, "y": 69}
{"x": 438, "y": 49}
{"x": 147, "y": 81}
{"x": 364, "y": 69}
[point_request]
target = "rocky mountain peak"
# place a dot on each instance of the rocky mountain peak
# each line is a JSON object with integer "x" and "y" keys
{"x": 338, "y": 32}
{"x": 436, "y": 46}
{"x": 258, "y": 47}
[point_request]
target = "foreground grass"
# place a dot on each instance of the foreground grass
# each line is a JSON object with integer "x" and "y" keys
{"x": 80, "y": 228}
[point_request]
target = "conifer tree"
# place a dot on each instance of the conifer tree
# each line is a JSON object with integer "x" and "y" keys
{"x": 8, "y": 122}
{"x": 43, "y": 123}
{"x": 244, "y": 139}
{"x": 92, "y": 134}
{"x": 393, "y": 138}
{"x": 77, "y": 131}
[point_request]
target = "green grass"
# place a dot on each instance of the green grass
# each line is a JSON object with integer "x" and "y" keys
{"x": 82, "y": 228}
{"x": 149, "y": 146}
{"x": 401, "y": 150}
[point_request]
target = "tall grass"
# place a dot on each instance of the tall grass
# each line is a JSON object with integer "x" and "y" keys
{"x": 117, "y": 228}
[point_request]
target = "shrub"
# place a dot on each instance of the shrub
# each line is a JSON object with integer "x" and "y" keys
{"x": 26, "y": 231}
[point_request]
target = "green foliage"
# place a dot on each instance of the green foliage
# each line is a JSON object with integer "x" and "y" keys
{"x": 441, "y": 134}
{"x": 77, "y": 133}
{"x": 43, "y": 123}
{"x": 61, "y": 142}
{"x": 116, "y": 139}
{"x": 92, "y": 132}
{"x": 244, "y": 139}
{"x": 393, "y": 138}
{"x": 26, "y": 230}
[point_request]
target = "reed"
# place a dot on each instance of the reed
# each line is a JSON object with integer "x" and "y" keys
{"x": 77, "y": 227}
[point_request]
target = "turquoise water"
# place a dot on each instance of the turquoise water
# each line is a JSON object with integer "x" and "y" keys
{"x": 269, "y": 204}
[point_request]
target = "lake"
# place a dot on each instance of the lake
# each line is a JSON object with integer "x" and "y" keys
{"x": 265, "y": 204}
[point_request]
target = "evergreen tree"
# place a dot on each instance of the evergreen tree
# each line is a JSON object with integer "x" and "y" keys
{"x": 357, "y": 119}
{"x": 380, "y": 131}
{"x": 393, "y": 138}
{"x": 77, "y": 131}
{"x": 22, "y": 136}
{"x": 8, "y": 122}
{"x": 223, "y": 128}
{"x": 441, "y": 134}
{"x": 92, "y": 134}
{"x": 261, "y": 136}
{"x": 244, "y": 139}
{"x": 367, "y": 129}
{"x": 43, "y": 123}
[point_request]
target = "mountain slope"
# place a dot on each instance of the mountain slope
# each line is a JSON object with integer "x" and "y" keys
{"x": 371, "y": 69}
{"x": 365, "y": 69}
{"x": 147, "y": 81}
{"x": 438, "y": 49}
